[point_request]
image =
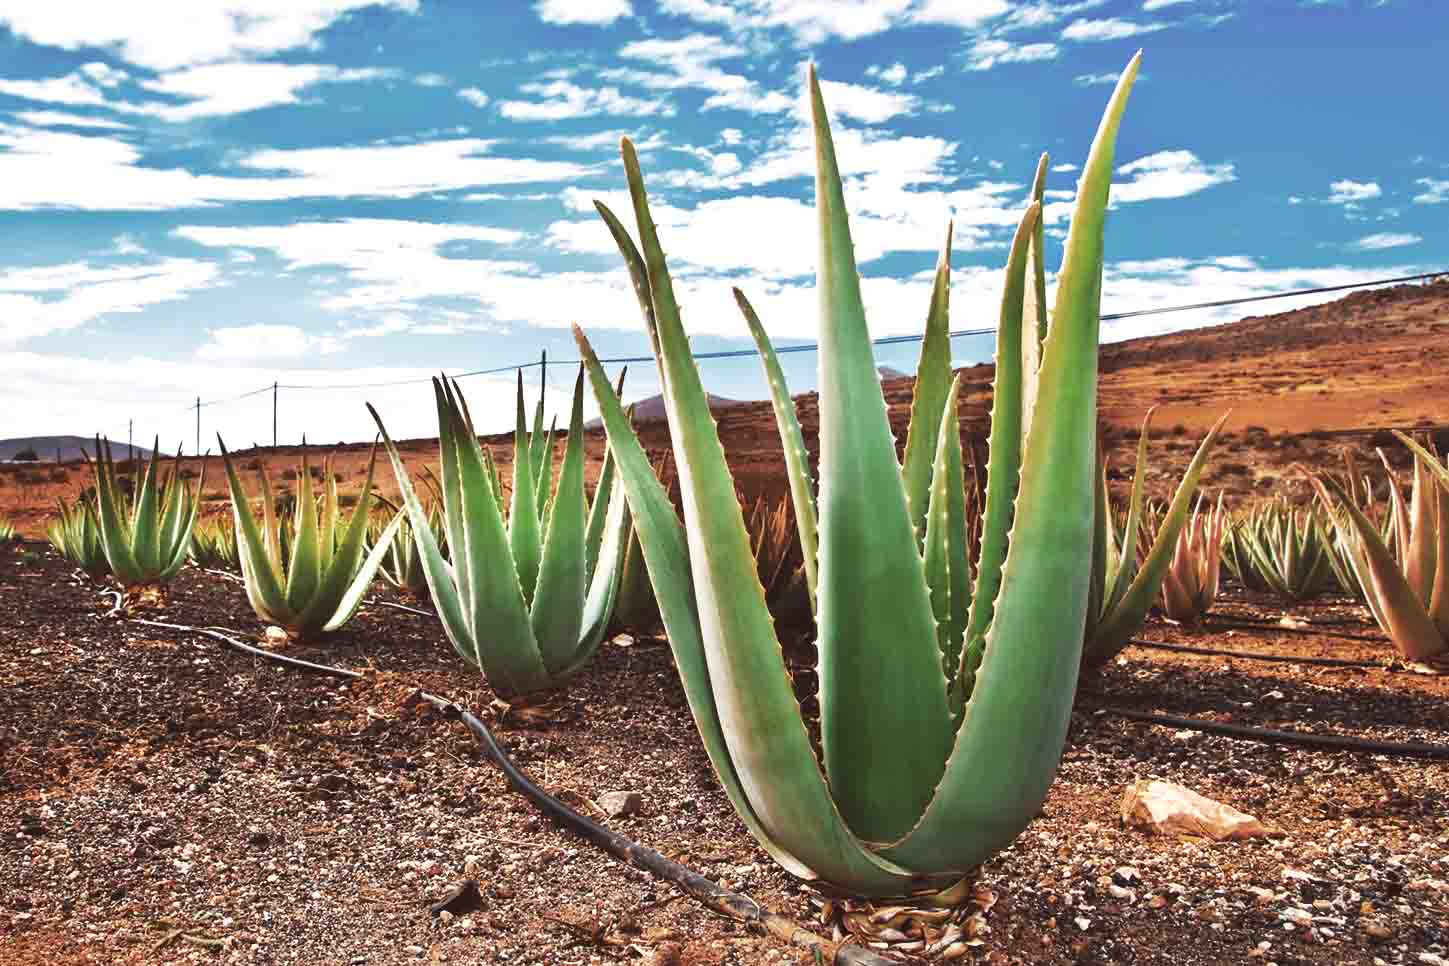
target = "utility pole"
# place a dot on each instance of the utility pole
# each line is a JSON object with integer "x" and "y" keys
{"x": 198, "y": 424}
{"x": 274, "y": 415}
{"x": 131, "y": 440}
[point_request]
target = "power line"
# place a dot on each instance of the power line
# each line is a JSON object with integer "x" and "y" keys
{"x": 813, "y": 346}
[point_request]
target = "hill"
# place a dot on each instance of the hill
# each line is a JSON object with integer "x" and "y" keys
{"x": 70, "y": 448}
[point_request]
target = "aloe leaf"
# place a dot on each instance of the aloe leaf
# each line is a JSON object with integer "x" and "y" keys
{"x": 304, "y": 572}
{"x": 1004, "y": 449}
{"x": 1033, "y": 307}
{"x": 444, "y": 581}
{"x": 1129, "y": 610}
{"x": 792, "y": 440}
{"x": 345, "y": 605}
{"x": 146, "y": 521}
{"x": 933, "y": 380}
{"x": 558, "y": 602}
{"x": 524, "y": 539}
{"x": 604, "y": 585}
{"x": 263, "y": 582}
{"x": 776, "y": 787}
{"x": 113, "y": 530}
{"x": 1420, "y": 552}
{"x": 959, "y": 573}
{"x": 945, "y": 547}
{"x": 884, "y": 762}
{"x": 1121, "y": 576}
{"x": 322, "y": 612}
{"x": 1015, "y": 724}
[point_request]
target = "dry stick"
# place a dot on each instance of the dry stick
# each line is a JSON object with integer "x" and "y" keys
{"x": 402, "y": 607}
{"x": 1282, "y": 629}
{"x": 734, "y": 905}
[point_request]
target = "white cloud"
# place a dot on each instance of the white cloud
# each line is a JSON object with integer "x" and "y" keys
{"x": 1386, "y": 239}
{"x": 37, "y": 301}
{"x": 1110, "y": 28}
{"x": 126, "y": 244}
{"x": 48, "y": 169}
{"x": 866, "y": 103}
{"x": 1435, "y": 192}
{"x": 894, "y": 75}
{"x": 959, "y": 13}
{"x": 1169, "y": 174}
{"x": 474, "y": 96}
{"x": 1150, "y": 5}
{"x": 78, "y": 88}
{"x": 237, "y": 87}
{"x": 246, "y": 343}
{"x": 583, "y": 11}
{"x": 987, "y": 52}
{"x": 1064, "y": 168}
{"x": 563, "y": 99}
{"x": 62, "y": 119}
{"x": 1091, "y": 80}
{"x": 167, "y": 34}
{"x": 354, "y": 242}
{"x": 693, "y": 62}
{"x": 1349, "y": 192}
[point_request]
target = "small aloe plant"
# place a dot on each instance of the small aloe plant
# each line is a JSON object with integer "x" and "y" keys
{"x": 1408, "y": 594}
{"x": 1123, "y": 589}
{"x": 526, "y": 599}
{"x": 928, "y": 768}
{"x": 145, "y": 537}
{"x": 75, "y": 533}
{"x": 1191, "y": 583}
{"x": 313, "y": 582}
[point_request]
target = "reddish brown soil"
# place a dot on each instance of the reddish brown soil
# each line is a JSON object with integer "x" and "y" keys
{"x": 151, "y": 781}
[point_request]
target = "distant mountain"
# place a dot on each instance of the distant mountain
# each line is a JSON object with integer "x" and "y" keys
{"x": 886, "y": 372}
{"x": 70, "y": 447}
{"x": 651, "y": 409}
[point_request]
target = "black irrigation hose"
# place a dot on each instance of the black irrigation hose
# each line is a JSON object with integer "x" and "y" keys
{"x": 1283, "y": 629}
{"x": 1277, "y": 736}
{"x": 734, "y": 905}
{"x": 1255, "y": 655}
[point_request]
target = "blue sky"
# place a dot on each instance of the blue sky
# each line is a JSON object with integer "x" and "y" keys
{"x": 201, "y": 197}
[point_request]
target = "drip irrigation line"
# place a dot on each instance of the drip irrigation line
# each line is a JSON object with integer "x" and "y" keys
{"x": 1255, "y": 655}
{"x": 813, "y": 346}
{"x": 402, "y": 607}
{"x": 1276, "y": 736}
{"x": 1284, "y": 629}
{"x": 734, "y": 905}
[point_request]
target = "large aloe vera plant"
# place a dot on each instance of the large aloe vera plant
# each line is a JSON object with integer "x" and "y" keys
{"x": 923, "y": 776}
{"x": 1124, "y": 588}
{"x": 1284, "y": 549}
{"x": 145, "y": 535}
{"x": 526, "y": 599}
{"x": 1408, "y": 595}
{"x": 312, "y": 582}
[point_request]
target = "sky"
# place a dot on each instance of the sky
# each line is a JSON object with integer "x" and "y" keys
{"x": 200, "y": 198}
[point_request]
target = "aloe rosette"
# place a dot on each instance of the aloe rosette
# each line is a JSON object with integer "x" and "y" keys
{"x": 312, "y": 582}
{"x": 145, "y": 538}
{"x": 911, "y": 796}
{"x": 1408, "y": 593}
{"x": 1191, "y": 583}
{"x": 75, "y": 533}
{"x": 526, "y": 599}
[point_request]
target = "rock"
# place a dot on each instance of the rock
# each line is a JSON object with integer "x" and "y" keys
{"x": 462, "y": 898}
{"x": 667, "y": 954}
{"x": 620, "y": 804}
{"x": 1377, "y": 928}
{"x": 1170, "y": 809}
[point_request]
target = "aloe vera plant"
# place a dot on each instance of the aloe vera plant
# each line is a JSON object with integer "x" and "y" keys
{"x": 402, "y": 564}
{"x": 1283, "y": 549}
{"x": 314, "y": 582}
{"x": 1123, "y": 589}
{"x": 1190, "y": 584}
{"x": 912, "y": 794}
{"x": 75, "y": 533}
{"x": 145, "y": 537}
{"x": 8, "y": 533}
{"x": 528, "y": 599}
{"x": 1409, "y": 596}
